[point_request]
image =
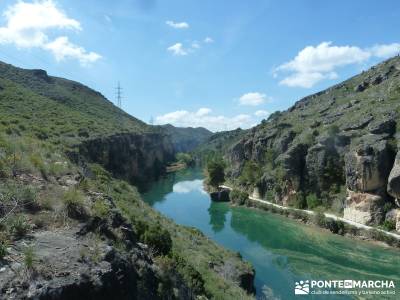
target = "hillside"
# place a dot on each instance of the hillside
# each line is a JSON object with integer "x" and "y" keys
{"x": 72, "y": 223}
{"x": 186, "y": 139}
{"x": 334, "y": 150}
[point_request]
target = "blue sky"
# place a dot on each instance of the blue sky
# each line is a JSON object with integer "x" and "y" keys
{"x": 219, "y": 64}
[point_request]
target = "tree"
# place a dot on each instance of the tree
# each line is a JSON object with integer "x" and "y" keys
{"x": 216, "y": 172}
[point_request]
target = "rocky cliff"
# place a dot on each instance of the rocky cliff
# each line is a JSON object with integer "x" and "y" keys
{"x": 335, "y": 149}
{"x": 138, "y": 158}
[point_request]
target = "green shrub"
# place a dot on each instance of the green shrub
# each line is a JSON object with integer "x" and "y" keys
{"x": 190, "y": 275}
{"x": 389, "y": 225}
{"x": 313, "y": 201}
{"x": 185, "y": 158}
{"x": 29, "y": 258}
{"x": 251, "y": 173}
{"x": 3, "y": 249}
{"x": 28, "y": 197}
{"x": 238, "y": 197}
{"x": 74, "y": 203}
{"x": 215, "y": 172}
{"x": 335, "y": 226}
{"x": 158, "y": 239}
{"x": 299, "y": 201}
{"x": 100, "y": 209}
{"x": 19, "y": 226}
{"x": 319, "y": 218}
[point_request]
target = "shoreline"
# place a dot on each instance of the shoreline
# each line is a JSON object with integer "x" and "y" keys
{"x": 337, "y": 225}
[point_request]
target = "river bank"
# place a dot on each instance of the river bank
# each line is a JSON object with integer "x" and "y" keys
{"x": 331, "y": 222}
{"x": 280, "y": 249}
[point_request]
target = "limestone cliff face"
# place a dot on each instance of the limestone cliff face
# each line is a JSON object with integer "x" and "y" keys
{"x": 344, "y": 138}
{"x": 138, "y": 158}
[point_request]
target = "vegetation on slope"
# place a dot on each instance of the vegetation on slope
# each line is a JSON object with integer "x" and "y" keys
{"x": 342, "y": 140}
{"x": 41, "y": 190}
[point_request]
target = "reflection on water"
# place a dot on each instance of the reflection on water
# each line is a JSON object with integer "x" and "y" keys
{"x": 217, "y": 216}
{"x": 281, "y": 250}
{"x": 185, "y": 187}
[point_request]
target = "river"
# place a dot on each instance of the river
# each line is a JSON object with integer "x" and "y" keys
{"x": 281, "y": 250}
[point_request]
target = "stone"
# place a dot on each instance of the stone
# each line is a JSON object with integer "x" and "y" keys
{"x": 393, "y": 186}
{"x": 382, "y": 126}
{"x": 363, "y": 208}
{"x": 368, "y": 166}
{"x": 220, "y": 196}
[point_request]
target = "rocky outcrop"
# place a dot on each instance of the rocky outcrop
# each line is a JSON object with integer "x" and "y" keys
{"x": 368, "y": 166}
{"x": 341, "y": 138}
{"x": 367, "y": 170}
{"x": 73, "y": 267}
{"x": 220, "y": 196}
{"x": 138, "y": 158}
{"x": 394, "y": 179}
{"x": 364, "y": 208}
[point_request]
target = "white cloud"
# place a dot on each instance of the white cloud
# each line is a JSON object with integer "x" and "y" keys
{"x": 385, "y": 51}
{"x": 176, "y": 25}
{"x": 204, "y": 118}
{"x": 195, "y": 45}
{"x": 252, "y": 99}
{"x": 203, "y": 111}
{"x": 261, "y": 113}
{"x": 27, "y": 26}
{"x": 62, "y": 48}
{"x": 316, "y": 63}
{"x": 178, "y": 49}
{"x": 208, "y": 40}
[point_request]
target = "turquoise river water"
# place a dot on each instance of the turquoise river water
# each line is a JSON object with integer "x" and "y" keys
{"x": 281, "y": 250}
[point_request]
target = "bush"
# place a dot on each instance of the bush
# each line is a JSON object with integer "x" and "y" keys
{"x": 158, "y": 239}
{"x": 300, "y": 201}
{"x": 29, "y": 258}
{"x": 238, "y": 197}
{"x": 28, "y": 197}
{"x": 251, "y": 173}
{"x": 100, "y": 209}
{"x": 215, "y": 172}
{"x": 185, "y": 158}
{"x": 19, "y": 226}
{"x": 190, "y": 275}
{"x": 389, "y": 225}
{"x": 319, "y": 218}
{"x": 335, "y": 226}
{"x": 74, "y": 201}
{"x": 313, "y": 201}
{"x": 3, "y": 249}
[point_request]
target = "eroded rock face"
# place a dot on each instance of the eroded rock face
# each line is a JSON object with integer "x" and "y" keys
{"x": 393, "y": 187}
{"x": 368, "y": 166}
{"x": 363, "y": 208}
{"x": 137, "y": 158}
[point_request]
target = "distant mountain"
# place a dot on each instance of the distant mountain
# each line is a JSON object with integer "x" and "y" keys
{"x": 186, "y": 139}
{"x": 335, "y": 149}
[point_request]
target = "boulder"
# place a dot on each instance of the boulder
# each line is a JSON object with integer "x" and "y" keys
{"x": 394, "y": 216}
{"x": 220, "y": 196}
{"x": 393, "y": 186}
{"x": 363, "y": 208}
{"x": 368, "y": 166}
{"x": 380, "y": 126}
